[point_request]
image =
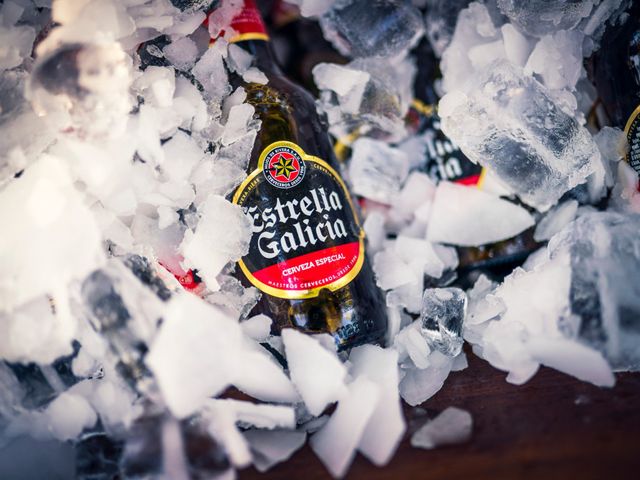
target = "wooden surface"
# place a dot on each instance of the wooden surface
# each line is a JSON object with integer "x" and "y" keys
{"x": 552, "y": 427}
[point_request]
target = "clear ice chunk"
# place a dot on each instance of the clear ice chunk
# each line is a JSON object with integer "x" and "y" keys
{"x": 471, "y": 217}
{"x": 604, "y": 292}
{"x": 336, "y": 442}
{"x": 410, "y": 342}
{"x": 441, "y": 19}
{"x": 366, "y": 29}
{"x": 377, "y": 170}
{"x": 510, "y": 123}
{"x": 450, "y": 427}
{"x": 540, "y": 17}
{"x": 367, "y": 96}
{"x": 83, "y": 89}
{"x": 42, "y": 207}
{"x": 69, "y": 414}
{"x": 222, "y": 236}
{"x": 384, "y": 431}
{"x": 442, "y": 317}
{"x": 555, "y": 220}
{"x": 419, "y": 385}
{"x": 310, "y": 8}
{"x": 317, "y": 373}
{"x": 557, "y": 59}
{"x": 272, "y": 447}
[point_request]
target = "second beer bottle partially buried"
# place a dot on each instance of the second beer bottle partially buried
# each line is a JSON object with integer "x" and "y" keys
{"x": 307, "y": 252}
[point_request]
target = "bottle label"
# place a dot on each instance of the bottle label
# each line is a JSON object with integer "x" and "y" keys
{"x": 632, "y": 131}
{"x": 248, "y": 24}
{"x": 306, "y": 235}
{"x": 444, "y": 159}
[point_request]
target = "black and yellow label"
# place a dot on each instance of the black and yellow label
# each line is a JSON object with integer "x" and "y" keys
{"x": 306, "y": 236}
{"x": 632, "y": 131}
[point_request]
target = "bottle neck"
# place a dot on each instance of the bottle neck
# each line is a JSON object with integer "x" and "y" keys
{"x": 251, "y": 35}
{"x": 263, "y": 56}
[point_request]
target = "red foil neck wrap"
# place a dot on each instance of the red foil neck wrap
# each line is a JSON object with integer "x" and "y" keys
{"x": 248, "y": 24}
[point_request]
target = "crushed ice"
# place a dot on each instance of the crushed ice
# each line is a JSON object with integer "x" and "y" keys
{"x": 115, "y": 163}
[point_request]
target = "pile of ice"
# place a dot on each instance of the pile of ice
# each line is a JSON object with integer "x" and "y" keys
{"x": 121, "y": 139}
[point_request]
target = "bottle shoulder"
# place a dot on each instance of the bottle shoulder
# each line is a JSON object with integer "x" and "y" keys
{"x": 288, "y": 113}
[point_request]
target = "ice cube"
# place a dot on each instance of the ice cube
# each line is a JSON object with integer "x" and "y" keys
{"x": 221, "y": 425}
{"x": 377, "y": 170}
{"x": 408, "y": 295}
{"x": 613, "y": 146}
{"x": 21, "y": 343}
{"x": 156, "y": 85}
{"x": 422, "y": 251}
{"x": 182, "y": 53}
{"x": 557, "y": 58}
{"x": 237, "y": 123}
{"x": 209, "y": 70}
{"x": 555, "y": 220}
{"x": 416, "y": 194}
{"x": 391, "y": 271}
{"x": 10, "y": 394}
{"x": 441, "y": 19}
{"x": 83, "y": 89}
{"x": 220, "y": 18}
{"x": 386, "y": 426}
{"x": 43, "y": 207}
{"x": 256, "y": 415}
{"x": 348, "y": 84}
{"x": 470, "y": 217}
{"x": 374, "y": 228}
{"x": 367, "y": 96}
{"x": 313, "y": 8}
{"x": 317, "y": 373}
{"x": 419, "y": 385}
{"x": 517, "y": 47}
{"x": 18, "y": 42}
{"x": 460, "y": 362}
{"x": 257, "y": 327}
{"x": 272, "y": 447}
{"x": 181, "y": 155}
{"x": 442, "y": 318}
{"x": 336, "y": 443}
{"x": 539, "y": 17}
{"x": 234, "y": 297}
{"x": 194, "y": 354}
{"x": 363, "y": 29}
{"x": 410, "y": 342}
{"x": 573, "y": 359}
{"x": 68, "y": 415}
{"x": 260, "y": 376}
{"x": 239, "y": 60}
{"x": 474, "y": 28}
{"x": 222, "y": 236}
{"x": 25, "y": 135}
{"x": 509, "y": 122}
{"x": 482, "y": 305}
{"x": 453, "y": 425}
{"x": 604, "y": 262}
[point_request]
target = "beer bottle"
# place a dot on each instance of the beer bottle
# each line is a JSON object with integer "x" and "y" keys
{"x": 307, "y": 252}
{"x": 616, "y": 74}
{"x": 445, "y": 161}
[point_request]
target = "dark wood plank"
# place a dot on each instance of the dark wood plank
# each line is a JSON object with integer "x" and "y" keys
{"x": 554, "y": 426}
